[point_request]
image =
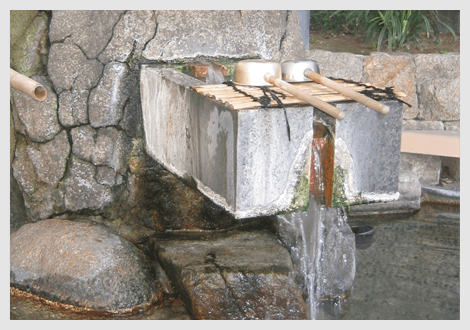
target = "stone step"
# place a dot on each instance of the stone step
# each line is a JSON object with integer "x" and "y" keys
{"x": 431, "y": 142}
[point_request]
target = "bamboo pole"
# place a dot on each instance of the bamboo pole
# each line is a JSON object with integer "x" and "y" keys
{"x": 27, "y": 85}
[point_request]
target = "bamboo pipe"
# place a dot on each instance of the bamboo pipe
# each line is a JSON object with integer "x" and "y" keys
{"x": 27, "y": 85}
{"x": 304, "y": 96}
{"x": 373, "y": 104}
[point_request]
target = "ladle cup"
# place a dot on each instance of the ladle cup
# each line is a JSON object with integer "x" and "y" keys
{"x": 266, "y": 73}
{"x": 297, "y": 71}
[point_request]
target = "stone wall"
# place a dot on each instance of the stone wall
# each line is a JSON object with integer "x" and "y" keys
{"x": 91, "y": 123}
{"x": 80, "y": 153}
{"x": 431, "y": 83}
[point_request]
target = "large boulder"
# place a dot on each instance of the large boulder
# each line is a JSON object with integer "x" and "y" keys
{"x": 82, "y": 264}
{"x": 237, "y": 275}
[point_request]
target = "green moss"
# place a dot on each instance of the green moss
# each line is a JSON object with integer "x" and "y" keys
{"x": 339, "y": 196}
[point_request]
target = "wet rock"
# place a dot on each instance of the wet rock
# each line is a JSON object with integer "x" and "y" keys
{"x": 39, "y": 119}
{"x": 69, "y": 67}
{"x": 133, "y": 30}
{"x": 30, "y": 48}
{"x": 73, "y": 106}
{"x": 236, "y": 275}
{"x": 50, "y": 159}
{"x": 81, "y": 189}
{"x": 82, "y": 264}
{"x": 91, "y": 30}
{"x": 165, "y": 202}
{"x": 422, "y": 125}
{"x": 427, "y": 168}
{"x": 107, "y": 100}
{"x": 438, "y": 86}
{"x": 399, "y": 71}
{"x": 185, "y": 34}
{"x": 338, "y": 65}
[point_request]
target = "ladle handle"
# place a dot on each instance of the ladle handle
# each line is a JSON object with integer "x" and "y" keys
{"x": 373, "y": 104}
{"x": 304, "y": 96}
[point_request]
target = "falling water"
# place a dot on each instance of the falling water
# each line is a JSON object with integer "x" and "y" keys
{"x": 322, "y": 248}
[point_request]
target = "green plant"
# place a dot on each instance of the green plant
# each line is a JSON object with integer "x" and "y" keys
{"x": 324, "y": 20}
{"x": 399, "y": 26}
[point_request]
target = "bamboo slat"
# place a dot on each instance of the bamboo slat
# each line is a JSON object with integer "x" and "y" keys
{"x": 233, "y": 99}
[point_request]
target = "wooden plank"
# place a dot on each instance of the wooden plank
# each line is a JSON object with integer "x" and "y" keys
{"x": 437, "y": 143}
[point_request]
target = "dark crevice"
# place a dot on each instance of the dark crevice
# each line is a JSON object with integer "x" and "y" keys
{"x": 284, "y": 35}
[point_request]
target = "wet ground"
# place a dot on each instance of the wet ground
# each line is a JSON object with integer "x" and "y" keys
{"x": 409, "y": 269}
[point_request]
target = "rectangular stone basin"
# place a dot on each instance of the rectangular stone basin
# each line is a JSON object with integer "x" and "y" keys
{"x": 244, "y": 161}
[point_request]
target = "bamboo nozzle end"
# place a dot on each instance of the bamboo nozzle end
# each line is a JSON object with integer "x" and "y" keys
{"x": 40, "y": 93}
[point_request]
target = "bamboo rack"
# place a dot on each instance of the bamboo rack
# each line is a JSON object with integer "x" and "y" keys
{"x": 233, "y": 99}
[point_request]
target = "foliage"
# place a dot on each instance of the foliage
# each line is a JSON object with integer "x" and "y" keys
{"x": 323, "y": 19}
{"x": 395, "y": 26}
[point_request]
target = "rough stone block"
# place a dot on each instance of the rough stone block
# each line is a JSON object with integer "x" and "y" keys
{"x": 410, "y": 125}
{"x": 339, "y": 65}
{"x": 81, "y": 189}
{"x": 254, "y": 33}
{"x": 91, "y": 30}
{"x": 39, "y": 119}
{"x": 239, "y": 275}
{"x": 107, "y": 100}
{"x": 426, "y": 167}
{"x": 399, "y": 71}
{"x": 242, "y": 160}
{"x": 130, "y": 35}
{"x": 438, "y": 85}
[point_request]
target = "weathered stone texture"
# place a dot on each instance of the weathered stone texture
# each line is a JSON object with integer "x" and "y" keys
{"x": 399, "y": 71}
{"x": 38, "y": 169}
{"x": 50, "y": 159}
{"x": 185, "y": 34}
{"x": 90, "y": 30}
{"x": 134, "y": 29}
{"x": 19, "y": 22}
{"x": 81, "y": 264}
{"x": 422, "y": 125}
{"x": 438, "y": 81}
{"x": 81, "y": 189}
{"x": 427, "y": 168}
{"x": 107, "y": 100}
{"x": 241, "y": 275}
{"x": 28, "y": 49}
{"x": 339, "y": 65}
{"x": 39, "y": 119}
{"x": 105, "y": 146}
{"x": 73, "y": 107}
{"x": 292, "y": 46}
{"x": 452, "y": 125}
{"x": 69, "y": 67}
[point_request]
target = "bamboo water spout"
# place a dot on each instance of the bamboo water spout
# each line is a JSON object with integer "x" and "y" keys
{"x": 27, "y": 85}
